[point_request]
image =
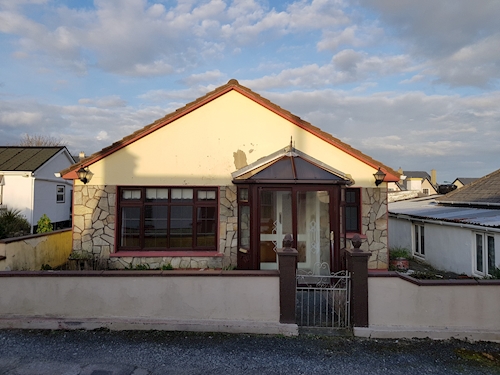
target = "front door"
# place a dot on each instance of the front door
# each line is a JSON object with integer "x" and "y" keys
{"x": 304, "y": 213}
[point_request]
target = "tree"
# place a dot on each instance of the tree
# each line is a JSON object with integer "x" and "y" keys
{"x": 40, "y": 140}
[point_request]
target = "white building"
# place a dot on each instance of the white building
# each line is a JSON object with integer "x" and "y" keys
{"x": 28, "y": 183}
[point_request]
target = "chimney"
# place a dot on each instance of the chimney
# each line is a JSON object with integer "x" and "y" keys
{"x": 81, "y": 156}
{"x": 433, "y": 177}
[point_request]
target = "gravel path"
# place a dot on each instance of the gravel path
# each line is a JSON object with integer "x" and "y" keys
{"x": 152, "y": 352}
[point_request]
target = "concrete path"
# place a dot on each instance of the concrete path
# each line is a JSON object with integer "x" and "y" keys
{"x": 153, "y": 352}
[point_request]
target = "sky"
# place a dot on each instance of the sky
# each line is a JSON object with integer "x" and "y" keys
{"x": 413, "y": 84}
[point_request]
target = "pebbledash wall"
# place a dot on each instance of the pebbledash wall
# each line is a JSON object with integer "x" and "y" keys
{"x": 95, "y": 218}
{"x": 94, "y": 231}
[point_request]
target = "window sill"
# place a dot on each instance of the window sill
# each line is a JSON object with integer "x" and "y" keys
{"x": 151, "y": 254}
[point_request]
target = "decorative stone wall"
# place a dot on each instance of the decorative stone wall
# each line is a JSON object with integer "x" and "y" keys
{"x": 94, "y": 231}
{"x": 228, "y": 226}
{"x": 374, "y": 226}
{"x": 94, "y": 221}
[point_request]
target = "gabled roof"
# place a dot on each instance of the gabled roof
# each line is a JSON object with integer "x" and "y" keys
{"x": 27, "y": 159}
{"x": 417, "y": 174}
{"x": 290, "y": 165}
{"x": 70, "y": 173}
{"x": 482, "y": 192}
{"x": 464, "y": 180}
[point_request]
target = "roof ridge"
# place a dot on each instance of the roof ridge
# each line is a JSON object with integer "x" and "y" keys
{"x": 211, "y": 95}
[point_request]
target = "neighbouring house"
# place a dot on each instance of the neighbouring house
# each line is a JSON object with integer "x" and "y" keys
{"x": 462, "y": 181}
{"x": 454, "y": 232}
{"x": 421, "y": 181}
{"x": 220, "y": 181}
{"x": 28, "y": 183}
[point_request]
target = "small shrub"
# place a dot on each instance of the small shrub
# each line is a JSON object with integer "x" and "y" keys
{"x": 13, "y": 224}
{"x": 44, "y": 225}
{"x": 46, "y": 267}
{"x": 142, "y": 267}
{"x": 399, "y": 252}
{"x": 167, "y": 267}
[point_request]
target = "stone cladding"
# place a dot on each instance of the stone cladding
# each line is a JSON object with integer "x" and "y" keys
{"x": 94, "y": 232}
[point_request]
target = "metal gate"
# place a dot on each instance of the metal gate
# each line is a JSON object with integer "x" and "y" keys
{"x": 323, "y": 298}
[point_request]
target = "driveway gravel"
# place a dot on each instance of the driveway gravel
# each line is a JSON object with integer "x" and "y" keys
{"x": 30, "y": 352}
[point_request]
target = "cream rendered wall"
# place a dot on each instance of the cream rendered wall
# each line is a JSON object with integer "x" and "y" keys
{"x": 204, "y": 146}
{"x": 393, "y": 302}
{"x": 18, "y": 193}
{"x": 190, "y": 301}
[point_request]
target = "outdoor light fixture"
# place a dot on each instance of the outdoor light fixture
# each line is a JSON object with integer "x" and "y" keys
{"x": 379, "y": 177}
{"x": 83, "y": 174}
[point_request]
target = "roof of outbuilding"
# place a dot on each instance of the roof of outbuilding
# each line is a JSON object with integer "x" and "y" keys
{"x": 70, "y": 173}
{"x": 482, "y": 192}
{"x": 16, "y": 158}
{"x": 417, "y": 174}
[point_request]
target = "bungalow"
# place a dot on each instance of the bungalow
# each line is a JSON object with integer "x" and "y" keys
{"x": 219, "y": 182}
{"x": 454, "y": 232}
{"x": 28, "y": 183}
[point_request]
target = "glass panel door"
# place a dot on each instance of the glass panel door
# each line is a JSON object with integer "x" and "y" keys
{"x": 313, "y": 230}
{"x": 275, "y": 222}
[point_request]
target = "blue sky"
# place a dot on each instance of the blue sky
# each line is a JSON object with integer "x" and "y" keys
{"x": 414, "y": 84}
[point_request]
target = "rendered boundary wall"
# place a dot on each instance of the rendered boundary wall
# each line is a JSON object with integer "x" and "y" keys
{"x": 402, "y": 307}
{"x": 31, "y": 252}
{"x": 209, "y": 300}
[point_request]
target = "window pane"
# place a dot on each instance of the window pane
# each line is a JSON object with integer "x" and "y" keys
{"x": 156, "y": 194}
{"x": 243, "y": 195}
{"x": 422, "y": 242}
{"x": 416, "y": 237}
{"x": 181, "y": 226}
{"x": 130, "y": 236}
{"x": 131, "y": 194}
{"x": 491, "y": 254}
{"x": 155, "y": 226}
{"x": 350, "y": 196}
{"x": 182, "y": 194}
{"x": 479, "y": 252}
{"x": 244, "y": 227}
{"x": 206, "y": 195}
{"x": 205, "y": 231}
{"x": 351, "y": 219}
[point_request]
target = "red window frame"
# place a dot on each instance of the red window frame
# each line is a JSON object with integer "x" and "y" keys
{"x": 199, "y": 223}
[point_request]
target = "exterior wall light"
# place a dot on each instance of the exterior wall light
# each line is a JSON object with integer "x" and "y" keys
{"x": 379, "y": 177}
{"x": 83, "y": 174}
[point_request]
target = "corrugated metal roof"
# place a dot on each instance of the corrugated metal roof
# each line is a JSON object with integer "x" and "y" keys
{"x": 429, "y": 208}
{"x": 25, "y": 158}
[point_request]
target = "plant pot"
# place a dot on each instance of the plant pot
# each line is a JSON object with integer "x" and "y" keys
{"x": 401, "y": 264}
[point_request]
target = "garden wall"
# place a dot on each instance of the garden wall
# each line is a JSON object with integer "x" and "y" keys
{"x": 399, "y": 306}
{"x": 31, "y": 252}
{"x": 209, "y": 300}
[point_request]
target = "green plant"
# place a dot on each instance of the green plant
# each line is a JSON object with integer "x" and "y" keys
{"x": 46, "y": 267}
{"x": 44, "y": 225}
{"x": 13, "y": 224}
{"x": 142, "y": 267}
{"x": 167, "y": 267}
{"x": 399, "y": 252}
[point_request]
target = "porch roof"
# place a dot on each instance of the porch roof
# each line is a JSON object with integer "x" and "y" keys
{"x": 290, "y": 165}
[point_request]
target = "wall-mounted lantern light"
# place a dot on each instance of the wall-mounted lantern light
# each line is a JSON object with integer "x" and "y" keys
{"x": 379, "y": 177}
{"x": 83, "y": 174}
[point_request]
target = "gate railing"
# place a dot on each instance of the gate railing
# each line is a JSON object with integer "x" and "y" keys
{"x": 323, "y": 298}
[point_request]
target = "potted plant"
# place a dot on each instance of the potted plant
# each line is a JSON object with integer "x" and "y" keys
{"x": 399, "y": 258}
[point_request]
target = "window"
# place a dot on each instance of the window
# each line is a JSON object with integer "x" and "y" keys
{"x": 60, "y": 193}
{"x": 426, "y": 191}
{"x": 353, "y": 210}
{"x": 484, "y": 262}
{"x": 419, "y": 240}
{"x": 167, "y": 218}
{"x": 244, "y": 218}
